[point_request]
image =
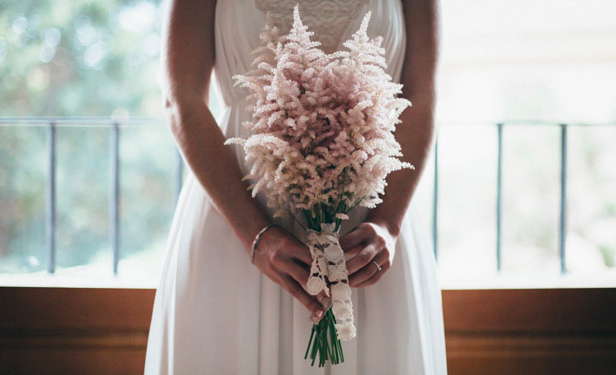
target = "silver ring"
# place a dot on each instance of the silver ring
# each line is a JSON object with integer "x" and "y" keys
{"x": 377, "y": 266}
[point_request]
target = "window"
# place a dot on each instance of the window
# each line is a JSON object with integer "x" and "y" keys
{"x": 512, "y": 77}
{"x": 540, "y": 69}
{"x": 97, "y": 63}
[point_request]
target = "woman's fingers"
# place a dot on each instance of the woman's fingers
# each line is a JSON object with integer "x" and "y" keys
{"x": 355, "y": 237}
{"x": 302, "y": 253}
{"x": 294, "y": 248}
{"x": 362, "y": 258}
{"x": 376, "y": 276}
{"x": 370, "y": 270}
{"x": 301, "y": 295}
{"x": 354, "y": 250}
{"x": 297, "y": 272}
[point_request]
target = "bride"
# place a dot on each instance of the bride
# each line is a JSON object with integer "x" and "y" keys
{"x": 215, "y": 312}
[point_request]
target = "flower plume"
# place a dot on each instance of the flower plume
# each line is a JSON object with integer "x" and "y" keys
{"x": 322, "y": 125}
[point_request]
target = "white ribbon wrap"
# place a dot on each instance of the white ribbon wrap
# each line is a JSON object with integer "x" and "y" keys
{"x": 328, "y": 261}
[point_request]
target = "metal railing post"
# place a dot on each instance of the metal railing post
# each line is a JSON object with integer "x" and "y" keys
{"x": 563, "y": 199}
{"x": 114, "y": 199}
{"x": 179, "y": 175}
{"x": 499, "y": 198}
{"x": 51, "y": 198}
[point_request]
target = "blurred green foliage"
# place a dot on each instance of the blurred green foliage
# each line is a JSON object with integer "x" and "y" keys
{"x": 81, "y": 58}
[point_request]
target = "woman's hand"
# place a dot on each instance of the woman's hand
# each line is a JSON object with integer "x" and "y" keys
{"x": 286, "y": 261}
{"x": 371, "y": 243}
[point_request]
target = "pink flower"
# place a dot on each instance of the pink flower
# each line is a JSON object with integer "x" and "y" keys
{"x": 322, "y": 124}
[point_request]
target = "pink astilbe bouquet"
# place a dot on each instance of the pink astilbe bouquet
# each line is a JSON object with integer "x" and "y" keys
{"x": 322, "y": 143}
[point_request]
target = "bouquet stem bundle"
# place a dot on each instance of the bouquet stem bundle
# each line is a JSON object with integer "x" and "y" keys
{"x": 325, "y": 344}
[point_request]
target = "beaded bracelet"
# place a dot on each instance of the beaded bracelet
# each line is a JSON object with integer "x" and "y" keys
{"x": 257, "y": 239}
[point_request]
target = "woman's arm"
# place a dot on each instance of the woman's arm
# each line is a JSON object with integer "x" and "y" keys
{"x": 416, "y": 131}
{"x": 375, "y": 238}
{"x": 188, "y": 62}
{"x": 188, "y": 57}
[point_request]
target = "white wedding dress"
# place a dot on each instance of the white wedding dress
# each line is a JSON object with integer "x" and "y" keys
{"x": 215, "y": 313}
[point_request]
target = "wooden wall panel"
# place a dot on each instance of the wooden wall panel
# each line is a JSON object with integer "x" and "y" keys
{"x": 491, "y": 332}
{"x": 530, "y": 331}
{"x": 73, "y": 330}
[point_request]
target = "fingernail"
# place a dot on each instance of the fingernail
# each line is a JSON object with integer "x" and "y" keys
{"x": 319, "y": 313}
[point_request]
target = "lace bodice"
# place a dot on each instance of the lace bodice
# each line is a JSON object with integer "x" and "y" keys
{"x": 327, "y": 19}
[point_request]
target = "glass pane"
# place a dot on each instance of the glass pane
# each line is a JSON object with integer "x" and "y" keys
{"x": 82, "y": 200}
{"x": 23, "y": 174}
{"x": 591, "y": 219}
{"x": 531, "y": 193}
{"x": 467, "y": 196}
{"x": 148, "y": 197}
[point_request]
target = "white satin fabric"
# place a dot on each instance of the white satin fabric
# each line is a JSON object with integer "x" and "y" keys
{"x": 215, "y": 313}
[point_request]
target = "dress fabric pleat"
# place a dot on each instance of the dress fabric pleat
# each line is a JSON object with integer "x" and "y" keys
{"x": 215, "y": 313}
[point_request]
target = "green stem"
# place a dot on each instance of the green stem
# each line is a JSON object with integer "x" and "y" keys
{"x": 324, "y": 341}
{"x": 334, "y": 347}
{"x": 296, "y": 220}
{"x": 315, "y": 347}
{"x": 309, "y": 220}
{"x": 311, "y": 336}
{"x": 356, "y": 203}
{"x": 344, "y": 171}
